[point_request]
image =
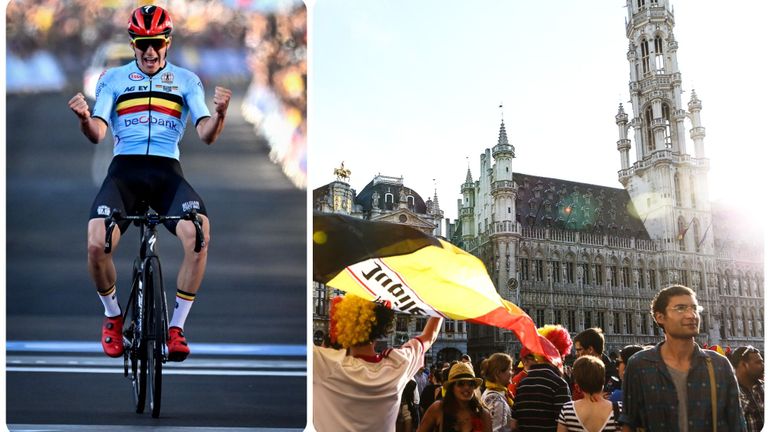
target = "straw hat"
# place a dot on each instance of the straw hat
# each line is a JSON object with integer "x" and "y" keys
{"x": 462, "y": 372}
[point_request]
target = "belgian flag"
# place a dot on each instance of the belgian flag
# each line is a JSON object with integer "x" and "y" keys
{"x": 415, "y": 273}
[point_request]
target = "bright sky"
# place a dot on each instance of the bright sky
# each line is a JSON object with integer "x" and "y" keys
{"x": 412, "y": 88}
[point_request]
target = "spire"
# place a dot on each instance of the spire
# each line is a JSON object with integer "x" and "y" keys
{"x": 468, "y": 177}
{"x": 695, "y": 103}
{"x": 503, "y": 136}
{"x": 621, "y": 117}
{"x": 503, "y": 148}
{"x": 435, "y": 196}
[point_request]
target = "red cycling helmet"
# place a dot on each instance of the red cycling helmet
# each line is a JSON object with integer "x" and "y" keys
{"x": 149, "y": 21}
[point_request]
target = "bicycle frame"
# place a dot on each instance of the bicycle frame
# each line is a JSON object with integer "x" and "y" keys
{"x": 146, "y": 316}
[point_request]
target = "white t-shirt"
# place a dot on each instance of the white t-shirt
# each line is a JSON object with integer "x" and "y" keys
{"x": 499, "y": 409}
{"x": 357, "y": 395}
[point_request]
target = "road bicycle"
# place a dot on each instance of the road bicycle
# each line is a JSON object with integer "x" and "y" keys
{"x": 145, "y": 317}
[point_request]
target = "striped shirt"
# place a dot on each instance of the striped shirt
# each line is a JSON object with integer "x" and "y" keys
{"x": 569, "y": 418}
{"x": 539, "y": 399}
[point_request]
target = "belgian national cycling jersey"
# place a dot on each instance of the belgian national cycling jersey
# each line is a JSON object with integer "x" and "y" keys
{"x": 148, "y": 114}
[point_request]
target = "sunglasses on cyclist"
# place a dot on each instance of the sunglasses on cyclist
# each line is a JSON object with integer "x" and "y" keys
{"x": 143, "y": 44}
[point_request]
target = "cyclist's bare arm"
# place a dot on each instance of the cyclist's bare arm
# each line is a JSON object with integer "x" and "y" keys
{"x": 209, "y": 128}
{"x": 94, "y": 129}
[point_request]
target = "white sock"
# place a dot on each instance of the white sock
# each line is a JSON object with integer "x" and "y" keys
{"x": 109, "y": 299}
{"x": 184, "y": 301}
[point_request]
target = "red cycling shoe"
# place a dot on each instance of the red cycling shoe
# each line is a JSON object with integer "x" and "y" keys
{"x": 177, "y": 345}
{"x": 112, "y": 336}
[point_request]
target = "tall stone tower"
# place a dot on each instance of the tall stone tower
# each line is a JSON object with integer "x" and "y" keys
{"x": 465, "y": 206}
{"x": 503, "y": 233}
{"x": 667, "y": 184}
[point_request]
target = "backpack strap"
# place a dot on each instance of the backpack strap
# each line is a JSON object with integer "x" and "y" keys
{"x": 712, "y": 380}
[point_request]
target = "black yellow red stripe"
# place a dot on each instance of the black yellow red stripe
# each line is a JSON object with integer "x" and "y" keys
{"x": 165, "y": 103}
{"x": 185, "y": 295}
{"x": 107, "y": 292}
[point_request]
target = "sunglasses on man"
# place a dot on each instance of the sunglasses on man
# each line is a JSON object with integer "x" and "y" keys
{"x": 144, "y": 43}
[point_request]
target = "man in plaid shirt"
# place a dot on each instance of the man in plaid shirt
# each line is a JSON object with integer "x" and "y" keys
{"x": 668, "y": 388}
{"x": 749, "y": 369}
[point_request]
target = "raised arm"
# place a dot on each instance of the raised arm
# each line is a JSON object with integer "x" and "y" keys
{"x": 209, "y": 128}
{"x": 431, "y": 331}
{"x": 93, "y": 128}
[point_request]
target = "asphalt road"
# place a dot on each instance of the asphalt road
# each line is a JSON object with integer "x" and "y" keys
{"x": 247, "y": 329}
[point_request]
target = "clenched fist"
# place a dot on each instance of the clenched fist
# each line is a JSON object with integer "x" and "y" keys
{"x": 222, "y": 99}
{"x": 79, "y": 106}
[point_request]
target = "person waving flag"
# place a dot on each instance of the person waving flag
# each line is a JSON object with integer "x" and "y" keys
{"x": 415, "y": 273}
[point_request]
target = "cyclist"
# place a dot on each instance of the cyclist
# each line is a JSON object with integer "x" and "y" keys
{"x": 146, "y": 103}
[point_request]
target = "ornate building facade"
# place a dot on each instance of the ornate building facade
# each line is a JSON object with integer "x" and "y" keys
{"x": 385, "y": 199}
{"x": 593, "y": 256}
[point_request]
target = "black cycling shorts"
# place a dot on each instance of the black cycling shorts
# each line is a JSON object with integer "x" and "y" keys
{"x": 135, "y": 183}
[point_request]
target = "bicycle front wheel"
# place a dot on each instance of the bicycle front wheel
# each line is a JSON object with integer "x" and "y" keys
{"x": 157, "y": 325}
{"x": 135, "y": 333}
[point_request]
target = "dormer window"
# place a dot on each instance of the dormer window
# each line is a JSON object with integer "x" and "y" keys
{"x": 389, "y": 201}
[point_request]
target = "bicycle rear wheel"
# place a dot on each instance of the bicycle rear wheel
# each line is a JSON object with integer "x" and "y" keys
{"x": 156, "y": 347}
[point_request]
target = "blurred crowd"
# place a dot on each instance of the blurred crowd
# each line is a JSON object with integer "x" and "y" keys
{"x": 270, "y": 36}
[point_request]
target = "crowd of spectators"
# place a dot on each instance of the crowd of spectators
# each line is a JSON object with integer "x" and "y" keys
{"x": 270, "y": 37}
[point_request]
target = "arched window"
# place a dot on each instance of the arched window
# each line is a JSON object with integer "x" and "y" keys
{"x": 524, "y": 267}
{"x": 598, "y": 270}
{"x": 614, "y": 273}
{"x": 587, "y": 322}
{"x": 660, "y": 66}
{"x": 645, "y": 57}
{"x": 556, "y": 268}
{"x": 667, "y": 123}
{"x": 648, "y": 134}
{"x": 410, "y": 202}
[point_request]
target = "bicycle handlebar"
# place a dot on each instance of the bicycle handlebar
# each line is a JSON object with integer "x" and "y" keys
{"x": 152, "y": 218}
